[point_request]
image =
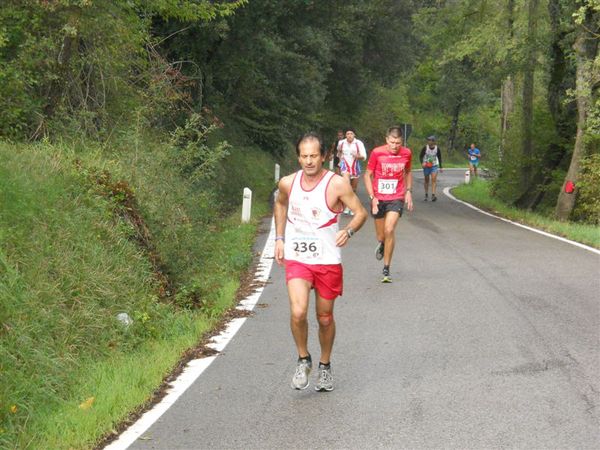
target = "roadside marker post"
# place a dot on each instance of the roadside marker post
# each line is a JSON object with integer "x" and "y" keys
{"x": 277, "y": 169}
{"x": 246, "y": 205}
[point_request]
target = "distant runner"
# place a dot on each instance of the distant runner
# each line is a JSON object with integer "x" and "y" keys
{"x": 431, "y": 160}
{"x": 388, "y": 180}
{"x": 474, "y": 155}
{"x": 308, "y": 242}
{"x": 333, "y": 151}
{"x": 351, "y": 151}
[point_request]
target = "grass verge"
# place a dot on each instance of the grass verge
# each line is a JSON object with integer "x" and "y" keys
{"x": 478, "y": 193}
{"x": 69, "y": 263}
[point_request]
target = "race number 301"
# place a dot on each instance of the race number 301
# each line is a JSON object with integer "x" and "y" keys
{"x": 387, "y": 186}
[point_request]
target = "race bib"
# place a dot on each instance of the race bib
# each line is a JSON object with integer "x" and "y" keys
{"x": 307, "y": 247}
{"x": 387, "y": 186}
{"x": 473, "y": 157}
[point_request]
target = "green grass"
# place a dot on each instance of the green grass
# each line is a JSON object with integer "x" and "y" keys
{"x": 478, "y": 193}
{"x": 68, "y": 265}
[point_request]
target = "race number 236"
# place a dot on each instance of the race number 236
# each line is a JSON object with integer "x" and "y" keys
{"x": 387, "y": 186}
{"x": 308, "y": 247}
{"x": 303, "y": 246}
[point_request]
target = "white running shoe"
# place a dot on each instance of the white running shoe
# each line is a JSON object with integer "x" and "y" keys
{"x": 325, "y": 382}
{"x": 300, "y": 378}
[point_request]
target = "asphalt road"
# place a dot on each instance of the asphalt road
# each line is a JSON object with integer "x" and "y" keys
{"x": 489, "y": 337}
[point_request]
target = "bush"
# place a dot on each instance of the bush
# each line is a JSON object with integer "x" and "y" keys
{"x": 587, "y": 207}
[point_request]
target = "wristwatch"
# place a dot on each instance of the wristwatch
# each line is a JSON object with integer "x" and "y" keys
{"x": 350, "y": 232}
{"x": 371, "y": 197}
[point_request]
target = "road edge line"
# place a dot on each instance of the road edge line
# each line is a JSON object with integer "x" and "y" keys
{"x": 196, "y": 367}
{"x": 535, "y": 230}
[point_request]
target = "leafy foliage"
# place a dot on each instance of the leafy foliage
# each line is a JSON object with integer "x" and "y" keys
{"x": 588, "y": 196}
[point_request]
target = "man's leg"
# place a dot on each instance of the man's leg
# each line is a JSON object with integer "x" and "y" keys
{"x": 354, "y": 183}
{"x": 326, "y": 326}
{"x": 326, "y": 337}
{"x": 346, "y": 176}
{"x": 379, "y": 229}
{"x": 433, "y": 185}
{"x": 389, "y": 231}
{"x": 380, "y": 239}
{"x": 426, "y": 183}
{"x": 298, "y": 291}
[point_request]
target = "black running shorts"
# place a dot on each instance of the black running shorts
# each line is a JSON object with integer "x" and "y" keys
{"x": 384, "y": 207}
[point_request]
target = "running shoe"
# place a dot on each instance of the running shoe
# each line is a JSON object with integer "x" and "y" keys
{"x": 386, "y": 276}
{"x": 325, "y": 382}
{"x": 300, "y": 378}
{"x": 379, "y": 251}
{"x": 426, "y": 198}
{"x": 433, "y": 198}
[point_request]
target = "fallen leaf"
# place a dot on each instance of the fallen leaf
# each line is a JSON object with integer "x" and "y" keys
{"x": 13, "y": 409}
{"x": 87, "y": 404}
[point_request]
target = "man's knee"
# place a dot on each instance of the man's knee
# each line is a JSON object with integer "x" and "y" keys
{"x": 298, "y": 315}
{"x": 389, "y": 231}
{"x": 325, "y": 319}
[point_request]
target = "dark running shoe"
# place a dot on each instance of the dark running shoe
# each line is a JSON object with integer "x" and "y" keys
{"x": 386, "y": 276}
{"x": 433, "y": 198}
{"x": 426, "y": 198}
{"x": 379, "y": 251}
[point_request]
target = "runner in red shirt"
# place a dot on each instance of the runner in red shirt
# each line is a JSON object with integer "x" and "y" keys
{"x": 388, "y": 181}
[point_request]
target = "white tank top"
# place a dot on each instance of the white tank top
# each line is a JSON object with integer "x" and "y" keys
{"x": 311, "y": 225}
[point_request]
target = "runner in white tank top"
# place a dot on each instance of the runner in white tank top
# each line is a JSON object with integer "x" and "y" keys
{"x": 312, "y": 224}
{"x": 308, "y": 241}
{"x": 350, "y": 151}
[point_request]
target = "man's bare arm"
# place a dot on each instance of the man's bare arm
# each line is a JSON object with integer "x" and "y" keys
{"x": 280, "y": 216}
{"x": 408, "y": 196}
{"x": 351, "y": 200}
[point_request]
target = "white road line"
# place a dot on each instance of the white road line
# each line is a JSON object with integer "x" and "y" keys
{"x": 535, "y": 230}
{"x": 196, "y": 367}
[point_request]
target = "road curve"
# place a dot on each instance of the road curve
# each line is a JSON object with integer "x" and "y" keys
{"x": 489, "y": 337}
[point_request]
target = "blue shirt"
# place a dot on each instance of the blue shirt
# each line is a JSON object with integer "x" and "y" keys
{"x": 474, "y": 154}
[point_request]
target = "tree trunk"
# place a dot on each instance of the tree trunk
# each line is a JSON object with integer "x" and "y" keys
{"x": 527, "y": 150}
{"x": 454, "y": 127}
{"x": 507, "y": 98}
{"x": 560, "y": 80}
{"x": 586, "y": 49}
{"x": 507, "y": 92}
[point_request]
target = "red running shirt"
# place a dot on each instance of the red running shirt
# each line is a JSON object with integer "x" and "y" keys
{"x": 388, "y": 172}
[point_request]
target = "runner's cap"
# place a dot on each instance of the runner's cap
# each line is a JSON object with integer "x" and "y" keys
{"x": 431, "y": 138}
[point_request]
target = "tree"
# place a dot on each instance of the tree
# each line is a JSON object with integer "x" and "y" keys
{"x": 586, "y": 96}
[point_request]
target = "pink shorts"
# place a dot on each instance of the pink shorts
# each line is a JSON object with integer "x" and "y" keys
{"x": 326, "y": 279}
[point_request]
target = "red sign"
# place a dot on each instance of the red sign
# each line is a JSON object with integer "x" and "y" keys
{"x": 569, "y": 187}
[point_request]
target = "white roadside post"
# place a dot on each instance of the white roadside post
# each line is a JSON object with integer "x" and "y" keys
{"x": 467, "y": 176}
{"x": 277, "y": 168}
{"x": 331, "y": 165}
{"x": 246, "y": 205}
